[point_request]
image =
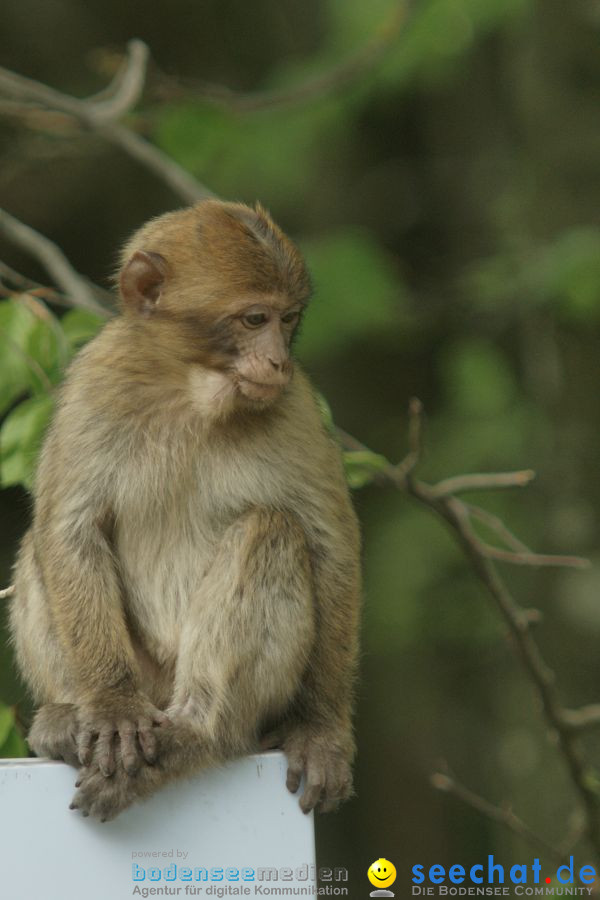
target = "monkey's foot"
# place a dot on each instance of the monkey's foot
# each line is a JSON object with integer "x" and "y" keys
{"x": 325, "y": 765}
{"x": 104, "y": 797}
{"x": 54, "y": 732}
{"x": 180, "y": 751}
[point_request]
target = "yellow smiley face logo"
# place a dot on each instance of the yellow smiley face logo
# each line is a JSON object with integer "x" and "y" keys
{"x": 382, "y": 873}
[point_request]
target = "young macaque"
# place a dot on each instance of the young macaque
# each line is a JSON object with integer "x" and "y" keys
{"x": 189, "y": 589}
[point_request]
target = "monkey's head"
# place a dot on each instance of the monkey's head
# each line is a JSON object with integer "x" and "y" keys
{"x": 218, "y": 287}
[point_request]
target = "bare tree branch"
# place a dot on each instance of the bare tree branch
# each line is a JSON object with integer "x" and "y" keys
{"x": 537, "y": 560}
{"x": 566, "y": 724}
{"x": 54, "y": 261}
{"x": 126, "y": 88}
{"x": 179, "y": 180}
{"x": 495, "y": 524}
{"x": 100, "y": 113}
{"x": 582, "y": 719}
{"x": 334, "y": 80}
{"x": 504, "y": 816}
{"x": 100, "y": 117}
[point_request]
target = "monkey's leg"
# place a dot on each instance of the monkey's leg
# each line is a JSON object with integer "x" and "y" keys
{"x": 54, "y": 729}
{"x": 244, "y": 648}
{"x": 46, "y": 668}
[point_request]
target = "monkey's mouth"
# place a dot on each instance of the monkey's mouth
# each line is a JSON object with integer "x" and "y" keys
{"x": 259, "y": 390}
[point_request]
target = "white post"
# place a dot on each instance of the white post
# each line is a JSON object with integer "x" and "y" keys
{"x": 224, "y": 833}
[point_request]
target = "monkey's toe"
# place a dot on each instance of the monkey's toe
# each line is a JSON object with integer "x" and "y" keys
{"x": 101, "y": 797}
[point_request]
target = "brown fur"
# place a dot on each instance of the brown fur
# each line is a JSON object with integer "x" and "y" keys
{"x": 190, "y": 581}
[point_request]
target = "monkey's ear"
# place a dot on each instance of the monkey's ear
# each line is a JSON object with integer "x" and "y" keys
{"x": 141, "y": 279}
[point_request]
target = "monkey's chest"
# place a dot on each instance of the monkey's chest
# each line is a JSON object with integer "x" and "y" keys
{"x": 166, "y": 539}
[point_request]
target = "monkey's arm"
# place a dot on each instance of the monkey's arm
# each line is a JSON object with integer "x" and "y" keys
{"x": 317, "y": 731}
{"x": 78, "y": 572}
{"x": 318, "y": 740}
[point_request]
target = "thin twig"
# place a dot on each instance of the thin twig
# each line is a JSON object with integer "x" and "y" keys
{"x": 126, "y": 88}
{"x": 415, "y": 439}
{"x": 53, "y": 260}
{"x": 495, "y": 524}
{"x": 582, "y": 719}
{"x": 16, "y": 282}
{"x": 502, "y": 816}
{"x": 482, "y": 482}
{"x": 517, "y": 557}
{"x": 537, "y": 560}
{"x": 179, "y": 180}
{"x": 334, "y": 80}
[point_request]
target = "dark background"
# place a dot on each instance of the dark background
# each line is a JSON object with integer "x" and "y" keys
{"x": 448, "y": 203}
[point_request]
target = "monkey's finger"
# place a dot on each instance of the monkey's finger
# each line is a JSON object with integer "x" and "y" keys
{"x": 311, "y": 796}
{"x": 316, "y": 781}
{"x": 295, "y": 768}
{"x": 85, "y": 740}
{"x": 147, "y": 740}
{"x": 129, "y": 751}
{"x": 294, "y": 776}
{"x": 105, "y": 751}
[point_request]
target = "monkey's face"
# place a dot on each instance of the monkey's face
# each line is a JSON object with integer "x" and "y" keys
{"x": 262, "y": 333}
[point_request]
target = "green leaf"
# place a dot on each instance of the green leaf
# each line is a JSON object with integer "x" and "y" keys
{"x": 20, "y": 439}
{"x": 32, "y": 352}
{"x": 80, "y": 326}
{"x": 362, "y": 466}
{"x": 358, "y": 293}
{"x": 326, "y": 413}
{"x": 11, "y": 743}
{"x": 7, "y": 720}
{"x": 15, "y": 373}
{"x": 14, "y": 747}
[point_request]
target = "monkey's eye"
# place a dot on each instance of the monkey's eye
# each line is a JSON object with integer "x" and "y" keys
{"x": 290, "y": 317}
{"x": 253, "y": 320}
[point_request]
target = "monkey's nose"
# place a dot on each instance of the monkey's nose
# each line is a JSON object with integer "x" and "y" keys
{"x": 276, "y": 365}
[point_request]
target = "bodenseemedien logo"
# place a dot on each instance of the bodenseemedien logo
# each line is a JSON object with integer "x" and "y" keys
{"x": 521, "y": 880}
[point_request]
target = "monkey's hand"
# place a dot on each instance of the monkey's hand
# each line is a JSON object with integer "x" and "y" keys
{"x": 125, "y": 723}
{"x": 324, "y": 758}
